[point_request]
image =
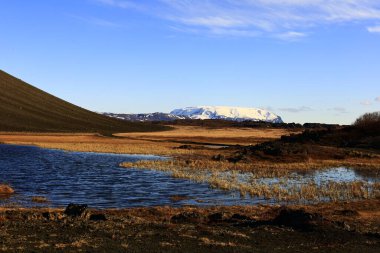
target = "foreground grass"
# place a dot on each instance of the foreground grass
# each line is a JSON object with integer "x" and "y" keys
{"x": 326, "y": 227}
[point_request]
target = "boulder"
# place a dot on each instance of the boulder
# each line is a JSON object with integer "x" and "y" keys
{"x": 77, "y": 211}
{"x": 218, "y": 217}
{"x": 187, "y": 217}
{"x": 298, "y": 219}
{"x": 97, "y": 217}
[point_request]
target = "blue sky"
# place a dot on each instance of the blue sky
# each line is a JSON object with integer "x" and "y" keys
{"x": 306, "y": 60}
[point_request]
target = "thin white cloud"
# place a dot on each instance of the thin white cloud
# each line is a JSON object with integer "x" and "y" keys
{"x": 96, "y": 21}
{"x": 291, "y": 35}
{"x": 121, "y": 4}
{"x": 366, "y": 102}
{"x": 374, "y": 29}
{"x": 377, "y": 99}
{"x": 339, "y": 110}
{"x": 296, "y": 109}
{"x": 283, "y": 19}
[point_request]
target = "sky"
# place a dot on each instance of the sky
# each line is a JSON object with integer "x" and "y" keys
{"x": 305, "y": 60}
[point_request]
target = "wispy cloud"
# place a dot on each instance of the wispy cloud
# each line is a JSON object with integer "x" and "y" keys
{"x": 377, "y": 99}
{"x": 296, "y": 109}
{"x": 283, "y": 19}
{"x": 121, "y": 4}
{"x": 291, "y": 35}
{"x": 96, "y": 21}
{"x": 339, "y": 110}
{"x": 366, "y": 102}
{"x": 374, "y": 29}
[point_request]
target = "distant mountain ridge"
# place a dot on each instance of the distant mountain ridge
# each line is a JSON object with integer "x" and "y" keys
{"x": 204, "y": 112}
{"x": 228, "y": 113}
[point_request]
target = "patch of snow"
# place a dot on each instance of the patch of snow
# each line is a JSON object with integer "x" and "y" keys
{"x": 227, "y": 113}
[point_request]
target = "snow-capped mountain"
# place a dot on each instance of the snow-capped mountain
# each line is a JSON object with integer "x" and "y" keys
{"x": 204, "y": 112}
{"x": 227, "y": 113}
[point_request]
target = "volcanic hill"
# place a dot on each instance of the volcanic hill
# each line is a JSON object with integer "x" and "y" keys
{"x": 27, "y": 108}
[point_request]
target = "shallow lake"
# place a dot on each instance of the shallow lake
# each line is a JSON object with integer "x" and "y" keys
{"x": 97, "y": 180}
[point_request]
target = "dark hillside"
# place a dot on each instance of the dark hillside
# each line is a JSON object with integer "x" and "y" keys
{"x": 26, "y": 108}
{"x": 359, "y": 140}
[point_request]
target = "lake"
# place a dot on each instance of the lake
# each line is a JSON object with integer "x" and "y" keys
{"x": 97, "y": 180}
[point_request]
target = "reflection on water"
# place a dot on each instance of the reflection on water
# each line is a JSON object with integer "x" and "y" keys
{"x": 319, "y": 177}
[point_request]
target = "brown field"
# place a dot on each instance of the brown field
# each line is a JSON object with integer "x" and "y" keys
{"x": 159, "y": 143}
{"x": 204, "y": 143}
{"x": 221, "y": 136}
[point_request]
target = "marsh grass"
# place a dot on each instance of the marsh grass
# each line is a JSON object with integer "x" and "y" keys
{"x": 282, "y": 184}
{"x": 115, "y": 148}
{"x": 39, "y": 199}
{"x": 248, "y": 178}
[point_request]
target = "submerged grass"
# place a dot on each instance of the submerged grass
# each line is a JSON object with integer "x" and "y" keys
{"x": 283, "y": 184}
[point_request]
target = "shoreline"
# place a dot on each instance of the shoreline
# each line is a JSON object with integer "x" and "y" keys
{"x": 325, "y": 227}
{"x": 181, "y": 154}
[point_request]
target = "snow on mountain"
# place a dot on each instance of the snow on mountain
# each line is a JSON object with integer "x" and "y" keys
{"x": 204, "y": 112}
{"x": 227, "y": 113}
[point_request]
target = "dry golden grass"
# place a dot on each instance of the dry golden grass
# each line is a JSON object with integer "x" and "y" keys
{"x": 228, "y": 176}
{"x": 261, "y": 169}
{"x": 159, "y": 143}
{"x": 6, "y": 189}
{"x": 93, "y": 143}
{"x": 166, "y": 143}
{"x": 39, "y": 199}
{"x": 210, "y": 242}
{"x": 230, "y": 136}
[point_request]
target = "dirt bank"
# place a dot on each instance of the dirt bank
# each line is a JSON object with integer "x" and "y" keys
{"x": 344, "y": 227}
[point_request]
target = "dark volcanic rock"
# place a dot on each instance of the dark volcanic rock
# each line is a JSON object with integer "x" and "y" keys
{"x": 240, "y": 217}
{"x": 298, "y": 219}
{"x": 218, "y": 217}
{"x": 76, "y": 210}
{"x": 186, "y": 217}
{"x": 98, "y": 217}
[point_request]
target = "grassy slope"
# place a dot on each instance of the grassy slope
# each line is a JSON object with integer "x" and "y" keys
{"x": 26, "y": 108}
